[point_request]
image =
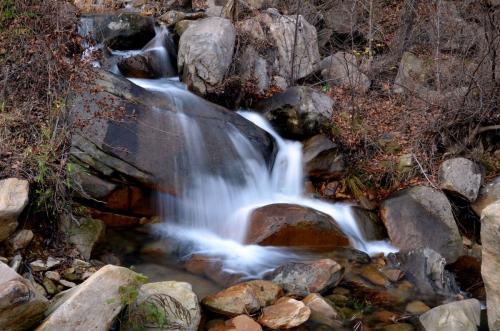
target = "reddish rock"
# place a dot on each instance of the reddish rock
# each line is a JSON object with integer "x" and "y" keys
{"x": 285, "y": 314}
{"x": 212, "y": 268}
{"x": 242, "y": 323}
{"x": 294, "y": 226}
{"x": 244, "y": 298}
{"x": 302, "y": 278}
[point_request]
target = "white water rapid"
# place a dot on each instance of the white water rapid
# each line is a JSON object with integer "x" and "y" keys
{"x": 211, "y": 216}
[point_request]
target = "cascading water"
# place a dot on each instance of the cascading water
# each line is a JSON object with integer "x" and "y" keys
{"x": 212, "y": 213}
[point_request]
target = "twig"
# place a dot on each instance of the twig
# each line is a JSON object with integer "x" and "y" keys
{"x": 423, "y": 171}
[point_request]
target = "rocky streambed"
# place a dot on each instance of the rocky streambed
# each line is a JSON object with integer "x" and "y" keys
{"x": 157, "y": 169}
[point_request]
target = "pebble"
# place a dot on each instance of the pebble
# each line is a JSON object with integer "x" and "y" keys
{"x": 53, "y": 275}
{"x": 417, "y": 307}
{"x": 66, "y": 283}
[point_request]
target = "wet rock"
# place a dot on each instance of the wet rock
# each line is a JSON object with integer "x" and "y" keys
{"x": 137, "y": 66}
{"x": 242, "y": 323}
{"x": 124, "y": 145}
{"x": 416, "y": 307}
{"x": 303, "y": 278}
{"x": 84, "y": 234}
{"x": 298, "y": 113}
{"x": 460, "y": 176}
{"x": 488, "y": 194}
{"x": 370, "y": 225}
{"x": 13, "y": 198}
{"x": 346, "y": 256}
{"x": 321, "y": 311}
{"x": 21, "y": 307}
{"x": 285, "y": 314}
{"x": 123, "y": 31}
{"x": 94, "y": 304}
{"x": 322, "y": 159}
{"x": 373, "y": 275}
{"x": 205, "y": 53}
{"x": 176, "y": 299}
{"x": 294, "y": 226}
{"x": 173, "y": 17}
{"x": 490, "y": 237}
{"x": 457, "y": 316}
{"x": 342, "y": 69}
{"x": 20, "y": 239}
{"x": 243, "y": 298}
{"x": 15, "y": 262}
{"x": 424, "y": 268}
{"x": 420, "y": 217}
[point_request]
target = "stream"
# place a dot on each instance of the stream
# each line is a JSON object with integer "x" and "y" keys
{"x": 212, "y": 214}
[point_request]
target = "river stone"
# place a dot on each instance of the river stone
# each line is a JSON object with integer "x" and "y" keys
{"x": 488, "y": 194}
{"x": 321, "y": 311}
{"x": 13, "y": 198}
{"x": 302, "y": 278}
{"x": 94, "y": 304}
{"x": 298, "y": 113}
{"x": 20, "y": 239}
{"x": 420, "y": 217}
{"x": 243, "y": 298}
{"x": 287, "y": 313}
{"x": 457, "y": 316}
{"x": 235, "y": 300}
{"x": 84, "y": 234}
{"x": 122, "y": 32}
{"x": 133, "y": 144}
{"x": 460, "y": 176}
{"x": 205, "y": 53}
{"x": 490, "y": 238}
{"x": 20, "y": 304}
{"x": 342, "y": 69}
{"x": 294, "y": 226}
{"x": 175, "y": 299}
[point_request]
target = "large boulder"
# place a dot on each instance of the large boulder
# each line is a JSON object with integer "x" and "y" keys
{"x": 490, "y": 238}
{"x": 205, "y": 53}
{"x": 457, "y": 316}
{"x": 128, "y": 141}
{"x": 460, "y": 176}
{"x": 94, "y": 304}
{"x": 488, "y": 194}
{"x": 294, "y": 226}
{"x": 299, "y": 112}
{"x": 302, "y": 278}
{"x": 13, "y": 198}
{"x": 420, "y": 217}
{"x": 121, "y": 32}
{"x": 175, "y": 302}
{"x": 342, "y": 69}
{"x": 296, "y": 42}
{"x": 21, "y": 307}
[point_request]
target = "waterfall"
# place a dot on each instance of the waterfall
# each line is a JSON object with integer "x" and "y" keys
{"x": 212, "y": 212}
